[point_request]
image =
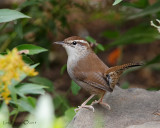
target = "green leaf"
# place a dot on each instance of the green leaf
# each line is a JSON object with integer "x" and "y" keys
{"x": 33, "y": 49}
{"x": 27, "y": 60}
{"x": 31, "y": 101}
{"x": 100, "y": 47}
{"x": 147, "y": 11}
{"x": 75, "y": 88}
{"x": 69, "y": 114}
{"x": 30, "y": 88}
{"x": 43, "y": 81}
{"x": 7, "y": 15}
{"x": 13, "y": 91}
{"x": 90, "y": 39}
{"x": 117, "y": 2}
{"x": 13, "y": 112}
{"x": 25, "y": 105}
{"x": 34, "y": 65}
{"x": 63, "y": 69}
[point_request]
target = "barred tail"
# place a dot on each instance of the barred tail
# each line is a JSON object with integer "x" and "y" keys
{"x": 113, "y": 74}
{"x": 123, "y": 67}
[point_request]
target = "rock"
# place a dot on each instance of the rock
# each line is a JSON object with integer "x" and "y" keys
{"x": 154, "y": 124}
{"x": 130, "y": 108}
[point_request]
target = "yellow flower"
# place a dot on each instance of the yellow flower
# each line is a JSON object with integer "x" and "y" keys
{"x": 11, "y": 67}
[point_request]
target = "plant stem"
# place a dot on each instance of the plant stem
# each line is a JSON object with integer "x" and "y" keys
{"x": 3, "y": 26}
{"x": 14, "y": 118}
{"x": 7, "y": 42}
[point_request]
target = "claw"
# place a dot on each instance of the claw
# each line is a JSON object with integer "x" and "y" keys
{"x": 102, "y": 103}
{"x": 84, "y": 106}
{"x": 95, "y": 102}
{"x": 105, "y": 104}
{"x": 77, "y": 109}
{"x": 89, "y": 107}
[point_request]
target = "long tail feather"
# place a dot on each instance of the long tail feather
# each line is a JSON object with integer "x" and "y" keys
{"x": 123, "y": 67}
{"x": 113, "y": 73}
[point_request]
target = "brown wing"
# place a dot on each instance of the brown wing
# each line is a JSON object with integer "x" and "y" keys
{"x": 94, "y": 79}
{"x": 92, "y": 72}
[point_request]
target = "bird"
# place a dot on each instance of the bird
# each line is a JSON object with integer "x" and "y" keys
{"x": 87, "y": 70}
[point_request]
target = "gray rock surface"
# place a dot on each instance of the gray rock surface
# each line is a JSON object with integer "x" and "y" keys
{"x": 130, "y": 108}
{"x": 153, "y": 124}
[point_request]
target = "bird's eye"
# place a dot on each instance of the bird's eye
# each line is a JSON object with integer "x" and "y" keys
{"x": 74, "y": 42}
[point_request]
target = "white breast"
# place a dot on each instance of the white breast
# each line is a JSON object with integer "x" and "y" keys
{"x": 74, "y": 55}
{"x": 71, "y": 63}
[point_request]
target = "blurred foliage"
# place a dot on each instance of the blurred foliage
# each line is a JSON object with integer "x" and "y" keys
{"x": 7, "y": 15}
{"x": 75, "y": 88}
{"x": 43, "y": 81}
{"x": 41, "y": 29}
{"x": 140, "y": 34}
{"x": 63, "y": 69}
{"x": 154, "y": 89}
{"x": 12, "y": 85}
{"x": 33, "y": 25}
{"x": 125, "y": 85}
{"x": 41, "y": 117}
{"x": 148, "y": 10}
{"x": 93, "y": 41}
{"x": 117, "y": 2}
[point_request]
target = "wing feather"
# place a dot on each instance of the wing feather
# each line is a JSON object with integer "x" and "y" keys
{"x": 95, "y": 79}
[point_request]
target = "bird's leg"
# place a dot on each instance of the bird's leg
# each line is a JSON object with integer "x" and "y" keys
{"x": 100, "y": 102}
{"x": 83, "y": 105}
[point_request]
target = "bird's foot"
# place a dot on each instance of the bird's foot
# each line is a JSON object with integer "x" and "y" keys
{"x": 95, "y": 102}
{"x": 106, "y": 105}
{"x": 84, "y": 106}
{"x": 102, "y": 103}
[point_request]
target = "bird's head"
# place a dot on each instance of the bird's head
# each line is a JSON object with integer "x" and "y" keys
{"x": 75, "y": 45}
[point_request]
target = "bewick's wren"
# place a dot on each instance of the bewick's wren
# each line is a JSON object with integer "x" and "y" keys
{"x": 89, "y": 72}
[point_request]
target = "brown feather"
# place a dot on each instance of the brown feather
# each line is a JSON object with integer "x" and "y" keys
{"x": 123, "y": 67}
{"x": 113, "y": 73}
{"x": 74, "y": 38}
{"x": 91, "y": 72}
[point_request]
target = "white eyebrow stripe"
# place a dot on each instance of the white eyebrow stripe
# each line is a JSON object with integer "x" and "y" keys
{"x": 82, "y": 41}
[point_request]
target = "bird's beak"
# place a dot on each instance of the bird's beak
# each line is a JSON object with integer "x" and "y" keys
{"x": 59, "y": 42}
